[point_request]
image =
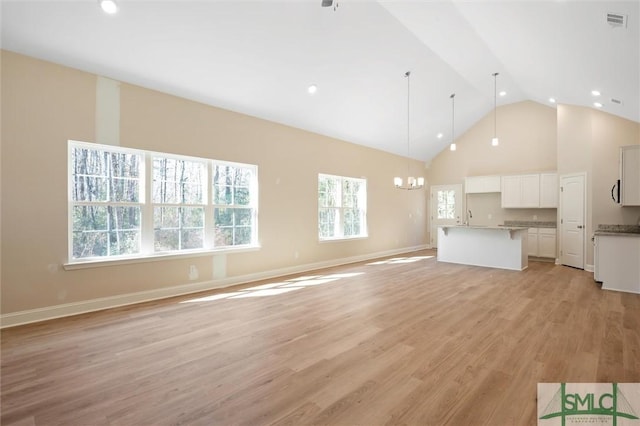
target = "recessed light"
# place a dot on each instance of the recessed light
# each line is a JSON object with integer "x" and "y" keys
{"x": 109, "y": 6}
{"x": 552, "y": 100}
{"x": 597, "y": 104}
{"x": 439, "y": 135}
{"x": 595, "y": 92}
{"x": 503, "y": 93}
{"x": 312, "y": 89}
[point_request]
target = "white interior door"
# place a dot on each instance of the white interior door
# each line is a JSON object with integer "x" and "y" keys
{"x": 446, "y": 208}
{"x": 572, "y": 220}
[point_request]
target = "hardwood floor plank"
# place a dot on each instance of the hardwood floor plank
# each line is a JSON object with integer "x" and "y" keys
{"x": 403, "y": 340}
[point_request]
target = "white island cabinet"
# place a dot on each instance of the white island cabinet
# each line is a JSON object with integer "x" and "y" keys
{"x": 503, "y": 247}
{"x": 617, "y": 261}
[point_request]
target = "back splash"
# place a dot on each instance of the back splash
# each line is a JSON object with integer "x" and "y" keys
{"x": 531, "y": 223}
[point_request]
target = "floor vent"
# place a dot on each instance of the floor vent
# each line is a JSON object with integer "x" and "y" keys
{"x": 617, "y": 20}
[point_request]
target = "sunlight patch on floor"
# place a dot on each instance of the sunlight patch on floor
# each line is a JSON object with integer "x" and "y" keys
{"x": 274, "y": 289}
{"x": 398, "y": 260}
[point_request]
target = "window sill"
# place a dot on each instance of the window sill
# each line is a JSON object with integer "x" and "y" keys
{"x": 98, "y": 263}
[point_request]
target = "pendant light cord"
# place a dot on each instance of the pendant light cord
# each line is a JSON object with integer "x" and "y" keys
{"x": 495, "y": 104}
{"x": 408, "y": 75}
{"x": 453, "y": 116}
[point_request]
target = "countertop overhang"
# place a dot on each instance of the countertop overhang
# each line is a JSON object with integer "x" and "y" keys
{"x": 499, "y": 227}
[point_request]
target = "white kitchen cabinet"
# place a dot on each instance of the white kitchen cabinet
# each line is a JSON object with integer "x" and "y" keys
{"x": 548, "y": 190}
{"x": 481, "y": 184}
{"x": 630, "y": 175}
{"x": 542, "y": 242}
{"x": 616, "y": 262}
{"x": 521, "y": 191}
{"x": 547, "y": 242}
{"x": 533, "y": 242}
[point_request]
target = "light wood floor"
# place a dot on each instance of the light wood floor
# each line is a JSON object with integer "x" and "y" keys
{"x": 397, "y": 342}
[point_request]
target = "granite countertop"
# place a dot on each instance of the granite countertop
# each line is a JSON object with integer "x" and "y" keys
{"x": 618, "y": 230}
{"x": 530, "y": 223}
{"x": 502, "y": 227}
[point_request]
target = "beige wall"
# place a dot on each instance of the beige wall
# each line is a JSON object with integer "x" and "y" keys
{"x": 527, "y": 133}
{"x": 44, "y": 105}
{"x": 534, "y": 137}
{"x": 589, "y": 141}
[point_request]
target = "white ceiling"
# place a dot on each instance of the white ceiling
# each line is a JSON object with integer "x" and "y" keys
{"x": 259, "y": 57}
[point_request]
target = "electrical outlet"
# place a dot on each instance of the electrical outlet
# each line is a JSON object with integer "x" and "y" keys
{"x": 193, "y": 272}
{"x": 489, "y": 216}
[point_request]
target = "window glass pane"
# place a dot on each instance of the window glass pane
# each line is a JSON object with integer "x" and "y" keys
{"x": 242, "y": 217}
{"x": 223, "y": 236}
{"x": 90, "y": 244}
{"x": 242, "y": 235}
{"x": 125, "y": 190}
{"x": 124, "y": 242}
{"x": 90, "y": 231}
{"x": 242, "y": 196}
{"x": 446, "y": 204}
{"x": 328, "y": 192}
{"x": 90, "y": 218}
{"x": 223, "y": 217}
{"x": 124, "y": 218}
{"x": 105, "y": 231}
{"x": 451, "y": 197}
{"x": 192, "y": 217}
{"x": 166, "y": 217}
{"x": 178, "y": 181}
{"x": 192, "y": 239}
{"x": 178, "y": 228}
{"x": 327, "y": 222}
{"x": 222, "y": 195}
{"x": 166, "y": 239}
{"x": 90, "y": 188}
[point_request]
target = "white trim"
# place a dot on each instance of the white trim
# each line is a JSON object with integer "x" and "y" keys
{"x": 588, "y": 268}
{"x": 68, "y": 309}
{"x": 585, "y": 217}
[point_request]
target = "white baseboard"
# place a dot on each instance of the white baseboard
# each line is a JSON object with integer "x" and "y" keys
{"x": 588, "y": 268}
{"x": 58, "y": 311}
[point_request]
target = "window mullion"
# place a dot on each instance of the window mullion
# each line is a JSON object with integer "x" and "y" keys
{"x": 209, "y": 230}
{"x": 147, "y": 236}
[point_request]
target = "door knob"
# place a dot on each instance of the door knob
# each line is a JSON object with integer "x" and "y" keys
{"x": 579, "y": 226}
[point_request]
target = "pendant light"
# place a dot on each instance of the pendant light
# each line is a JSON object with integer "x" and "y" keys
{"x": 452, "y": 147}
{"x": 412, "y": 182}
{"x": 494, "y": 141}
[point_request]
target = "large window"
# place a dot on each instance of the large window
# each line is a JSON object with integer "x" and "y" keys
{"x": 179, "y": 189}
{"x": 234, "y": 201}
{"x": 342, "y": 207}
{"x": 131, "y": 203}
{"x": 106, "y": 202}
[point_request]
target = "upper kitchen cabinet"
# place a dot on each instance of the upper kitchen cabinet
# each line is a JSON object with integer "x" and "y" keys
{"x": 481, "y": 184}
{"x": 548, "y": 190}
{"x": 530, "y": 191}
{"x": 521, "y": 191}
{"x": 630, "y": 175}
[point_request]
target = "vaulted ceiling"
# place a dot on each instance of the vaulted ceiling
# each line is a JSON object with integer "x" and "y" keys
{"x": 259, "y": 58}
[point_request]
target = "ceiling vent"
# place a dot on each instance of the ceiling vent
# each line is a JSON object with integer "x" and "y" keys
{"x": 617, "y": 20}
{"x": 616, "y": 101}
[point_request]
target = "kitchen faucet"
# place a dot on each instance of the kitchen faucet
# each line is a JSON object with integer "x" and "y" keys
{"x": 469, "y": 216}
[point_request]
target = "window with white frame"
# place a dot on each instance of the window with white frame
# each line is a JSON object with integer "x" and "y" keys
{"x": 235, "y": 202}
{"x": 133, "y": 203}
{"x": 179, "y": 189}
{"x": 342, "y": 207}
{"x": 106, "y": 199}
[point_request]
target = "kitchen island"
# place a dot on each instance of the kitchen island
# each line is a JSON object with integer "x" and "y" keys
{"x": 503, "y": 247}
